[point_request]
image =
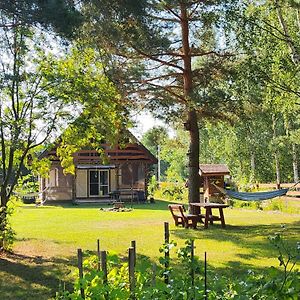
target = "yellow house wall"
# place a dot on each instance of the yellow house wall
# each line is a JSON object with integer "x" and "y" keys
{"x": 113, "y": 179}
{"x": 81, "y": 183}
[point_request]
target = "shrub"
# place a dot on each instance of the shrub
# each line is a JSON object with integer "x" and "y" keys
{"x": 7, "y": 234}
{"x": 185, "y": 279}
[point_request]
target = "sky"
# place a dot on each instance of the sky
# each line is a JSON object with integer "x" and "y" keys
{"x": 145, "y": 121}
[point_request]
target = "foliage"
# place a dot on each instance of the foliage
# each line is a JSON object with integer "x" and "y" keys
{"x": 154, "y": 140}
{"x": 41, "y": 93}
{"x": 155, "y": 137}
{"x": 29, "y": 114}
{"x": 7, "y": 235}
{"x": 97, "y": 106}
{"x": 57, "y": 15}
{"x": 173, "y": 191}
{"x": 152, "y": 186}
{"x": 272, "y": 77}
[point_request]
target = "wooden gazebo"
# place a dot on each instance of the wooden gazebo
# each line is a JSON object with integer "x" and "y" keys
{"x": 210, "y": 175}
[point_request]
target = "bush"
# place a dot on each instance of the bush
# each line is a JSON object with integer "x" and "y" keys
{"x": 188, "y": 283}
{"x": 7, "y": 234}
{"x": 172, "y": 191}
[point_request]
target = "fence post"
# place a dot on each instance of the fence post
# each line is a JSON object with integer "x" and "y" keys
{"x": 98, "y": 255}
{"x": 131, "y": 262}
{"x": 167, "y": 252}
{"x": 104, "y": 266}
{"x": 192, "y": 266}
{"x": 205, "y": 276}
{"x": 153, "y": 274}
{"x": 104, "y": 270}
{"x": 80, "y": 269}
{"x": 133, "y": 245}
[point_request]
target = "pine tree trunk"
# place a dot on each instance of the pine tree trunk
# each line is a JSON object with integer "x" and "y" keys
{"x": 192, "y": 122}
{"x": 194, "y": 180}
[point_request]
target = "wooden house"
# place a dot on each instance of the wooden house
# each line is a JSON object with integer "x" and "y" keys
{"x": 124, "y": 177}
{"x": 211, "y": 175}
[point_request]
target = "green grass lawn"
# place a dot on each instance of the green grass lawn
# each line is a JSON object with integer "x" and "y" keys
{"x": 48, "y": 238}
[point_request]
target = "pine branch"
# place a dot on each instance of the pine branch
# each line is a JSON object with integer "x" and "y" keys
{"x": 168, "y": 90}
{"x": 163, "y": 19}
{"x": 168, "y": 8}
{"x": 151, "y": 57}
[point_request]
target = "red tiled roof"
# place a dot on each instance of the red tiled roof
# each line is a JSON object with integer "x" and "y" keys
{"x": 206, "y": 169}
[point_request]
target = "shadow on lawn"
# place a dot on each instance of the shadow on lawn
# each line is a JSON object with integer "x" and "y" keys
{"x": 252, "y": 237}
{"x": 24, "y": 277}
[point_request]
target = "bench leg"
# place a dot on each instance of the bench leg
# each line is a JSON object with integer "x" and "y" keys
{"x": 186, "y": 224}
{"x": 194, "y": 223}
{"x": 210, "y": 215}
{"x": 222, "y": 217}
{"x": 207, "y": 212}
{"x": 176, "y": 221}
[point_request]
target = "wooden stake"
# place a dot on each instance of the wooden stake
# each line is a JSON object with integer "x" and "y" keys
{"x": 192, "y": 266}
{"x": 80, "y": 269}
{"x": 133, "y": 245}
{"x": 104, "y": 266}
{"x": 131, "y": 263}
{"x": 154, "y": 275}
{"x": 167, "y": 253}
{"x": 205, "y": 276}
{"x": 104, "y": 270}
{"x": 167, "y": 233}
{"x": 98, "y": 255}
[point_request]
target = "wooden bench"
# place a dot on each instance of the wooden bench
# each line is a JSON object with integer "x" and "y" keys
{"x": 182, "y": 218}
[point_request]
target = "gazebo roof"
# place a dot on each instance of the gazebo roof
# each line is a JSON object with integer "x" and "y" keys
{"x": 213, "y": 169}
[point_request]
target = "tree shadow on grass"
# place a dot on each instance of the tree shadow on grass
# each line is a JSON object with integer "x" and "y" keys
{"x": 24, "y": 277}
{"x": 254, "y": 238}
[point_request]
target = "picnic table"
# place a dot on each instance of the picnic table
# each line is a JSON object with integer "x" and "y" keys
{"x": 209, "y": 217}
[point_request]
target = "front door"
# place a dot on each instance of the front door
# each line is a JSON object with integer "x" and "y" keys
{"x": 98, "y": 183}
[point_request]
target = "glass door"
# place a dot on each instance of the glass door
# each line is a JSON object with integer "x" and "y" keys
{"x": 94, "y": 183}
{"x": 104, "y": 182}
{"x": 99, "y": 183}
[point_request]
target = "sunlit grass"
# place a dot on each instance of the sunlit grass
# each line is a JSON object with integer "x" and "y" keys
{"x": 59, "y": 231}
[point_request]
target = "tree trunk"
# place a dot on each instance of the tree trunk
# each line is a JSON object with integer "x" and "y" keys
{"x": 295, "y": 163}
{"x": 294, "y": 149}
{"x": 253, "y": 167}
{"x": 277, "y": 165}
{"x": 3, "y": 218}
{"x": 192, "y": 121}
{"x": 194, "y": 180}
{"x": 276, "y": 156}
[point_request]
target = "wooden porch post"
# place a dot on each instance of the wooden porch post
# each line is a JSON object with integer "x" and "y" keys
{"x": 74, "y": 186}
